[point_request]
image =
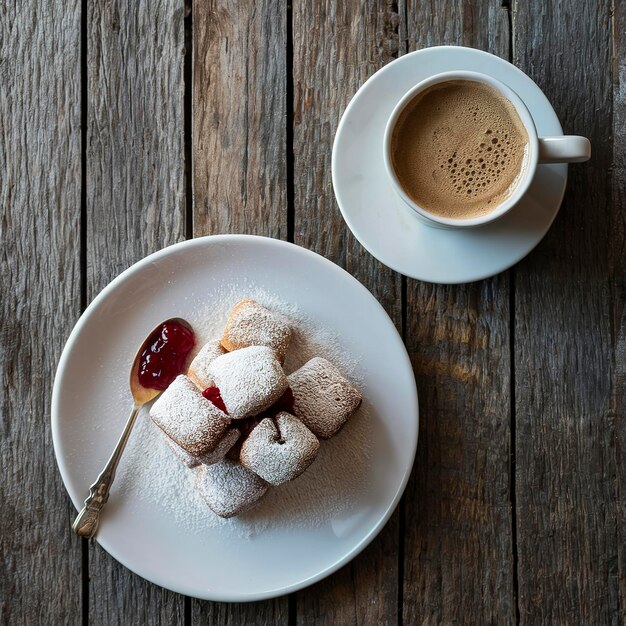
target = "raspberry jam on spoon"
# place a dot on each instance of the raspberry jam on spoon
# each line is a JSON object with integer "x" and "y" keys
{"x": 164, "y": 354}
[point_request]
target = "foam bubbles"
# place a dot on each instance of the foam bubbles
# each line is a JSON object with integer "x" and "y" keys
{"x": 459, "y": 148}
{"x": 480, "y": 170}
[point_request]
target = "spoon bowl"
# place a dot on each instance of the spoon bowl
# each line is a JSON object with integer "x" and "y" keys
{"x": 142, "y": 395}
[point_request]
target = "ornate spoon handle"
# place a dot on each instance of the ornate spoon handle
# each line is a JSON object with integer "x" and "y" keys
{"x": 86, "y": 522}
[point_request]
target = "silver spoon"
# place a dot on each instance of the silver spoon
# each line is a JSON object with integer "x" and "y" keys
{"x": 86, "y": 522}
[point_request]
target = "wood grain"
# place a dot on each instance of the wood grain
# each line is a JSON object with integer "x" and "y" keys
{"x": 135, "y": 205}
{"x": 239, "y": 124}
{"x": 566, "y": 466}
{"x": 40, "y": 187}
{"x": 459, "y": 564}
{"x": 239, "y": 163}
{"x": 337, "y": 45}
{"x": 567, "y": 300}
{"x": 618, "y": 278}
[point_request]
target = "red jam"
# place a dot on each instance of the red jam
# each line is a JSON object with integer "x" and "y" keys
{"x": 212, "y": 394}
{"x": 247, "y": 425}
{"x": 284, "y": 403}
{"x": 165, "y": 355}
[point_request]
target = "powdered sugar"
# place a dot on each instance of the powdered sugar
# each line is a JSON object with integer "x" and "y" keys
{"x": 193, "y": 422}
{"x": 279, "y": 449}
{"x": 251, "y": 324}
{"x": 328, "y": 488}
{"x": 250, "y": 380}
{"x": 229, "y": 488}
{"x": 182, "y": 454}
{"x": 199, "y": 368}
{"x": 226, "y": 443}
{"x": 322, "y": 398}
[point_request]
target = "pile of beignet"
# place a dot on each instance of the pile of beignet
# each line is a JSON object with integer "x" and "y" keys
{"x": 240, "y": 422}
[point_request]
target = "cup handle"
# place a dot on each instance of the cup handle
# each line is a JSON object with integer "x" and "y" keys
{"x": 564, "y": 149}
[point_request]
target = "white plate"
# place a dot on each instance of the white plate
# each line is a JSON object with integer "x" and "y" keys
{"x": 389, "y": 229}
{"x": 90, "y": 404}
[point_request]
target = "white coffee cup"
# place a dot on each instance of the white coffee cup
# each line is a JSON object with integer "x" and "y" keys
{"x": 559, "y": 149}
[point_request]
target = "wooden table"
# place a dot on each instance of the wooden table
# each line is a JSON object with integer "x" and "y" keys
{"x": 127, "y": 126}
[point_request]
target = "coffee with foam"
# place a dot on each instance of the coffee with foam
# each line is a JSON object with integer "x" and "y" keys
{"x": 459, "y": 149}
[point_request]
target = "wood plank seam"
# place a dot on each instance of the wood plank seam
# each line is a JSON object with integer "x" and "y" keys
{"x": 402, "y": 504}
{"x": 188, "y": 156}
{"x": 506, "y": 4}
{"x": 618, "y": 285}
{"x": 403, "y": 47}
{"x": 289, "y": 121}
{"x": 188, "y": 123}
{"x": 83, "y": 256}
{"x": 292, "y": 599}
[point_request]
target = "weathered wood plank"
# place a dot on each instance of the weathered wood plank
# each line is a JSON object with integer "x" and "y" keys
{"x": 618, "y": 277}
{"x": 337, "y": 45}
{"x": 458, "y": 543}
{"x": 267, "y": 613}
{"x": 565, "y": 429}
{"x": 40, "y": 186}
{"x": 239, "y": 128}
{"x": 135, "y": 205}
{"x": 239, "y": 162}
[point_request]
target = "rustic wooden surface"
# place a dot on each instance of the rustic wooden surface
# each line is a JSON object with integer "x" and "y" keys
{"x": 40, "y": 192}
{"x": 458, "y": 541}
{"x": 127, "y": 126}
{"x": 567, "y": 508}
{"x": 618, "y": 289}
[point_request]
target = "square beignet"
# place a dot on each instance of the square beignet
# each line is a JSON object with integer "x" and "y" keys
{"x": 199, "y": 368}
{"x": 193, "y": 422}
{"x": 222, "y": 448}
{"x": 180, "y": 453}
{"x": 251, "y": 324}
{"x": 322, "y": 398}
{"x": 249, "y": 380}
{"x": 279, "y": 449}
{"x": 229, "y": 488}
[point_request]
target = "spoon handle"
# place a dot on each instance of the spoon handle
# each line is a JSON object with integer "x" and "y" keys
{"x": 86, "y": 522}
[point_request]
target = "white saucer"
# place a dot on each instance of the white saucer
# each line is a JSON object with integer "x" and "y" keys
{"x": 389, "y": 229}
{"x": 299, "y": 534}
